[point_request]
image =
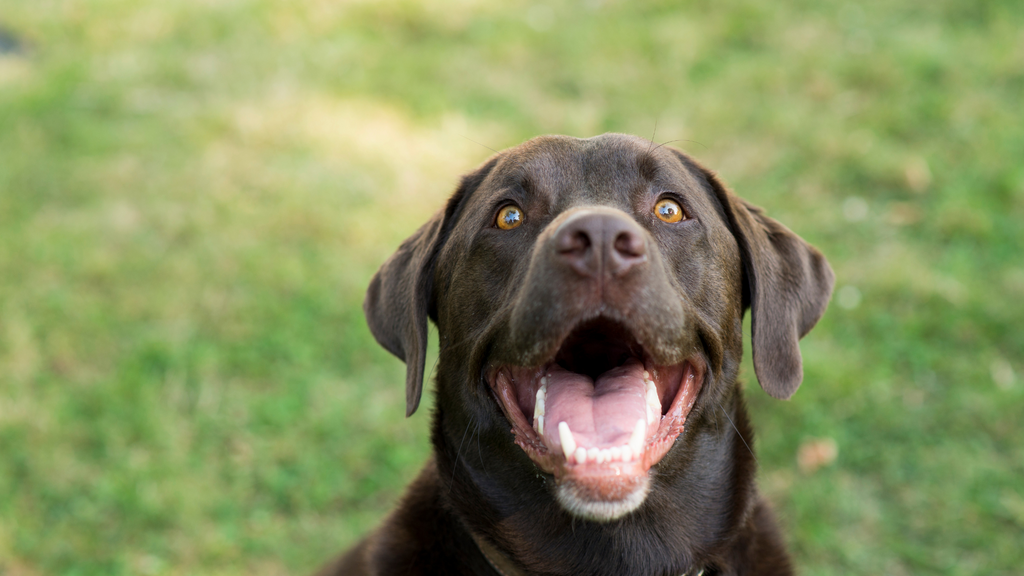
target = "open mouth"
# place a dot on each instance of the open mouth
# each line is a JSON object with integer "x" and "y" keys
{"x": 598, "y": 415}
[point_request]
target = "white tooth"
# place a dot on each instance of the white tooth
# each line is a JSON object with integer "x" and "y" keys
{"x": 647, "y": 375}
{"x": 627, "y": 453}
{"x": 636, "y": 441}
{"x": 652, "y": 395}
{"x": 653, "y": 403}
{"x": 602, "y": 456}
{"x": 592, "y": 454}
{"x": 543, "y": 381}
{"x": 568, "y": 442}
{"x": 581, "y": 455}
{"x": 538, "y": 412}
{"x": 616, "y": 453}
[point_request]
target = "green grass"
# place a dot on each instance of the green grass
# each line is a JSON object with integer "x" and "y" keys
{"x": 193, "y": 196}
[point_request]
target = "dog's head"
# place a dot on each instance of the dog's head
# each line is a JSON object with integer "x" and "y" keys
{"x": 589, "y": 296}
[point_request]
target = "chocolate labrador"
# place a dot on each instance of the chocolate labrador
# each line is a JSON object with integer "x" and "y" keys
{"x": 589, "y": 298}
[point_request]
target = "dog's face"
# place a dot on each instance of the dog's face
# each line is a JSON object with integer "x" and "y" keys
{"x": 589, "y": 295}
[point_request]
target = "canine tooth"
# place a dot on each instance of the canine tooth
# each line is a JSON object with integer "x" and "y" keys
{"x": 627, "y": 453}
{"x": 653, "y": 403}
{"x": 636, "y": 441}
{"x": 652, "y": 395}
{"x": 581, "y": 455}
{"x": 568, "y": 442}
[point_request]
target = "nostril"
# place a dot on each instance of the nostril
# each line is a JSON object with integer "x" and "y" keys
{"x": 576, "y": 242}
{"x": 629, "y": 245}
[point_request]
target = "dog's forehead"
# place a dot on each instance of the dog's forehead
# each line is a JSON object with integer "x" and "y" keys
{"x": 603, "y": 169}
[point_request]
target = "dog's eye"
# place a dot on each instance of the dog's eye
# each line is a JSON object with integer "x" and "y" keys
{"x": 669, "y": 211}
{"x": 510, "y": 217}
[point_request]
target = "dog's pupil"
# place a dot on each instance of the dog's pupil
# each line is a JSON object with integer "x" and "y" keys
{"x": 510, "y": 217}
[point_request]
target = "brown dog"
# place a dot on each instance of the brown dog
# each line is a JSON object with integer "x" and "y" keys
{"x": 589, "y": 296}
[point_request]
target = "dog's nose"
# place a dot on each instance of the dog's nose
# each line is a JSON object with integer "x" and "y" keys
{"x": 595, "y": 243}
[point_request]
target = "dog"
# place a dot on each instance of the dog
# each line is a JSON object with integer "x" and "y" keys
{"x": 589, "y": 297}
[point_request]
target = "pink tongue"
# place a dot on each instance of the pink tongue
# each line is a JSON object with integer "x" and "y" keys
{"x": 601, "y": 414}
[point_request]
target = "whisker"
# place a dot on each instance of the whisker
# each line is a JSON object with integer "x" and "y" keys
{"x": 744, "y": 440}
{"x": 654, "y": 134}
{"x": 681, "y": 140}
{"x": 457, "y": 454}
{"x": 477, "y": 143}
{"x": 479, "y": 451}
{"x": 448, "y": 348}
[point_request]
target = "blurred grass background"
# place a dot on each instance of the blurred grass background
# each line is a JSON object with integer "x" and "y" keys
{"x": 193, "y": 195}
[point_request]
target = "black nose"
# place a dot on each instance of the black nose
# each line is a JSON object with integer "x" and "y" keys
{"x": 601, "y": 243}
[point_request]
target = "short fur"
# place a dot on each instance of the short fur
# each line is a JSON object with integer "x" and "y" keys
{"x": 498, "y": 296}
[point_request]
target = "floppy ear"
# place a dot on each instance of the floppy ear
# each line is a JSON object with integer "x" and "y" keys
{"x": 400, "y": 296}
{"x": 786, "y": 282}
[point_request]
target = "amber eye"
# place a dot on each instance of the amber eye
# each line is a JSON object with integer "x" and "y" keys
{"x": 668, "y": 211}
{"x": 510, "y": 217}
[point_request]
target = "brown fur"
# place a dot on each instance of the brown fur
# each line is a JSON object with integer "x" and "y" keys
{"x": 502, "y": 297}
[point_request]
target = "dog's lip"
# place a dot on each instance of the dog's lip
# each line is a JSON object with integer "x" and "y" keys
{"x": 606, "y": 477}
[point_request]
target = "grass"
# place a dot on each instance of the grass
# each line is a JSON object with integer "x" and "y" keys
{"x": 194, "y": 194}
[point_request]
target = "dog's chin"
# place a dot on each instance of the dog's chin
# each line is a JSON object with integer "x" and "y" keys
{"x": 578, "y": 501}
{"x": 597, "y": 416}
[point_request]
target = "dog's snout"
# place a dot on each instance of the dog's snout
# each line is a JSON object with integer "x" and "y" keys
{"x": 599, "y": 243}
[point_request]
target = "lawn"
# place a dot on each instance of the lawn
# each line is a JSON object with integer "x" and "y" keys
{"x": 194, "y": 194}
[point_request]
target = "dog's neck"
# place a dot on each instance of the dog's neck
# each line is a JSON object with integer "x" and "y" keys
{"x": 505, "y": 567}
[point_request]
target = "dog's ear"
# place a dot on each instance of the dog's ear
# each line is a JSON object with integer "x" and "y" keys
{"x": 400, "y": 296}
{"x": 786, "y": 282}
